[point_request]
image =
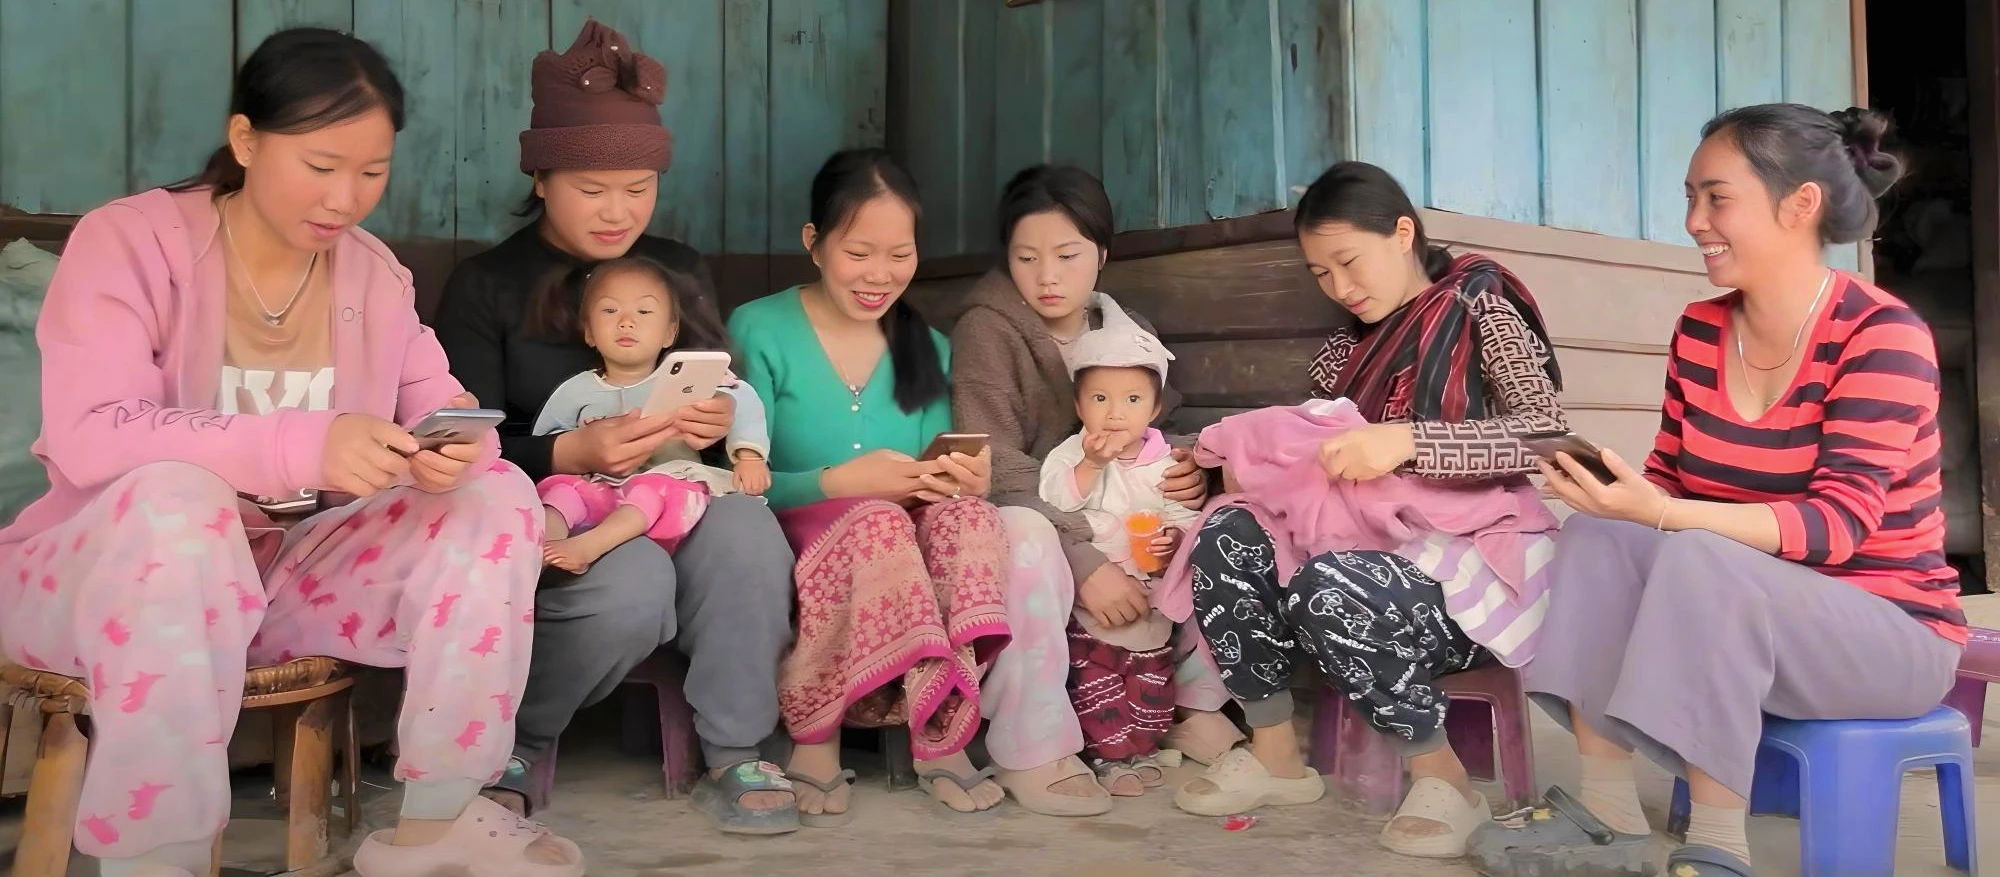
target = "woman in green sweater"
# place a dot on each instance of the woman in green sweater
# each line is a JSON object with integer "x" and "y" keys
{"x": 900, "y": 562}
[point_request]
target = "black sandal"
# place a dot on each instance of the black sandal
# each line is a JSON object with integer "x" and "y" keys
{"x": 1701, "y": 860}
{"x": 1559, "y": 838}
{"x": 720, "y": 798}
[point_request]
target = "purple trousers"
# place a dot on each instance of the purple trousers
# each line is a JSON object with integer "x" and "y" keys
{"x": 1677, "y": 644}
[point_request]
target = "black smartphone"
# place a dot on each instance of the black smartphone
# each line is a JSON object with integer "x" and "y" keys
{"x": 1589, "y": 456}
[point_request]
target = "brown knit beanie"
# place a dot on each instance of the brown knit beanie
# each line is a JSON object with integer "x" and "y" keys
{"x": 597, "y": 107}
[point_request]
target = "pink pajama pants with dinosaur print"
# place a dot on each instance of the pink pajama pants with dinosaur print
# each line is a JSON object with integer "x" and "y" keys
{"x": 159, "y": 598}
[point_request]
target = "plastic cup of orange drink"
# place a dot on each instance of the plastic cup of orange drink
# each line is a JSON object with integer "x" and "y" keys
{"x": 1141, "y": 528}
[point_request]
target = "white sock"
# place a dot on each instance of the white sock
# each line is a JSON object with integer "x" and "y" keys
{"x": 192, "y": 856}
{"x": 1719, "y": 827}
{"x": 437, "y": 799}
{"x": 1610, "y": 793}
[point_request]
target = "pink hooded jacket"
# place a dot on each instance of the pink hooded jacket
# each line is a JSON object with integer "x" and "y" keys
{"x": 131, "y": 339}
{"x": 1273, "y": 455}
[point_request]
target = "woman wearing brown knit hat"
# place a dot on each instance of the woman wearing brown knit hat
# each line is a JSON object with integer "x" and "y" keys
{"x": 595, "y": 149}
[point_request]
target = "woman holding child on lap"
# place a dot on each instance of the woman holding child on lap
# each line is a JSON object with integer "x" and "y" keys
{"x": 513, "y": 320}
{"x": 1018, "y": 377}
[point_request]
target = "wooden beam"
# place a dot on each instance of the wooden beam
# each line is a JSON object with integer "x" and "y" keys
{"x": 1857, "y": 54}
{"x": 1983, "y": 90}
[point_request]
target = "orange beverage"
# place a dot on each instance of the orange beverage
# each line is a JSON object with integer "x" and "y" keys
{"x": 1141, "y": 528}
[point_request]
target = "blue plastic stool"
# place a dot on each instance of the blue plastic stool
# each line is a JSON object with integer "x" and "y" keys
{"x": 1843, "y": 781}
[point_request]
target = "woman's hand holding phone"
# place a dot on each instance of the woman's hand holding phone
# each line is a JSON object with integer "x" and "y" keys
{"x": 364, "y": 455}
{"x": 961, "y": 475}
{"x": 615, "y": 446}
{"x": 1627, "y": 497}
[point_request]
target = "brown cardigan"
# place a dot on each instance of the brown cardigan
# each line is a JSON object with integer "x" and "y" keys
{"x": 1008, "y": 381}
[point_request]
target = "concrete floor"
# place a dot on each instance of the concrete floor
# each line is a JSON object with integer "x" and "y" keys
{"x": 611, "y": 804}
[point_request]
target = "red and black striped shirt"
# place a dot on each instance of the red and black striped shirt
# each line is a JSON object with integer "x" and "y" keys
{"x": 1848, "y": 459}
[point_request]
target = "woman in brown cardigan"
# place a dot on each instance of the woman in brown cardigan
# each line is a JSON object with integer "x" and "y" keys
{"x": 1010, "y": 381}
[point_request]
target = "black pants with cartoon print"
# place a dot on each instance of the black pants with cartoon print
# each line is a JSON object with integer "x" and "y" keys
{"x": 1373, "y": 623}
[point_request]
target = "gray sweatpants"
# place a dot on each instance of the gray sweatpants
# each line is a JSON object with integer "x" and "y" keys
{"x": 724, "y": 600}
{"x": 1676, "y": 644}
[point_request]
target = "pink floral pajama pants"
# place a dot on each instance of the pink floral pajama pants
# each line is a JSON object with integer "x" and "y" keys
{"x": 671, "y": 506}
{"x": 157, "y": 595}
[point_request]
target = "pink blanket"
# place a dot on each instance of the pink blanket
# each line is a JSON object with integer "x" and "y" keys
{"x": 1273, "y": 456}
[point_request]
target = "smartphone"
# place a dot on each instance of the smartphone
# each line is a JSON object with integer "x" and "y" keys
{"x": 967, "y": 443}
{"x": 686, "y": 377}
{"x": 1587, "y": 455}
{"x": 455, "y": 426}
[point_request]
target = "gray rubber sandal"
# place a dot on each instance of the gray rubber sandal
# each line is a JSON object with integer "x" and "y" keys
{"x": 720, "y": 799}
{"x": 1701, "y": 860}
{"x": 1559, "y": 838}
{"x": 965, "y": 784}
{"x": 827, "y": 788}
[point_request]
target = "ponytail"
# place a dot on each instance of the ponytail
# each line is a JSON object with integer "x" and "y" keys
{"x": 920, "y": 376}
{"x": 222, "y": 174}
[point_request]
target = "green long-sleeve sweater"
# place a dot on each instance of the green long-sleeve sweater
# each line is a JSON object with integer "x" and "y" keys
{"x": 816, "y": 421}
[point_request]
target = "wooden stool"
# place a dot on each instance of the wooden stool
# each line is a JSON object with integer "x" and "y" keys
{"x": 310, "y": 695}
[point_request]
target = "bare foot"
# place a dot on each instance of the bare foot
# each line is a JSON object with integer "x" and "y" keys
{"x": 980, "y": 797}
{"x": 1441, "y": 763}
{"x": 553, "y": 525}
{"x": 515, "y": 802}
{"x": 759, "y": 802}
{"x": 1202, "y": 735}
{"x": 820, "y": 761}
{"x": 576, "y": 553}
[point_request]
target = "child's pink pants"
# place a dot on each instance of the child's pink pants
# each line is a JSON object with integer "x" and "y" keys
{"x": 671, "y": 506}
{"x": 155, "y": 595}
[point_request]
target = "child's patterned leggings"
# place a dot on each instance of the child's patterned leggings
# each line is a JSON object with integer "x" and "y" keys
{"x": 153, "y": 594}
{"x": 1124, "y": 699}
{"x": 670, "y": 505}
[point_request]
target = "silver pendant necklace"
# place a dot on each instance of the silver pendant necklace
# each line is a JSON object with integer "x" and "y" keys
{"x": 271, "y": 318}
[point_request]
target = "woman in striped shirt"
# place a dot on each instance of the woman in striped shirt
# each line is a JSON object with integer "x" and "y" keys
{"x": 1783, "y": 550}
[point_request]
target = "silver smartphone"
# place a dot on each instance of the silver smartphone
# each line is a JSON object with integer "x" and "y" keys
{"x": 455, "y": 426}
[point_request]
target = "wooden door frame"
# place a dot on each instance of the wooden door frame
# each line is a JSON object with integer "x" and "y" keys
{"x": 1982, "y": 34}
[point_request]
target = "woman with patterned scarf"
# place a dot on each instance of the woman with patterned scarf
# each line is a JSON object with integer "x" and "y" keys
{"x": 1451, "y": 366}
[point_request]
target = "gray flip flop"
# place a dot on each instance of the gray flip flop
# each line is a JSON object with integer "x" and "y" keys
{"x": 964, "y": 784}
{"x": 1558, "y": 838}
{"x": 1701, "y": 860}
{"x": 720, "y": 799}
{"x": 827, "y": 788}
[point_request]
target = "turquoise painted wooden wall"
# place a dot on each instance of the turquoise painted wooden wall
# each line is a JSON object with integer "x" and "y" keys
{"x": 1578, "y": 114}
{"x": 1189, "y": 110}
{"x": 759, "y": 91}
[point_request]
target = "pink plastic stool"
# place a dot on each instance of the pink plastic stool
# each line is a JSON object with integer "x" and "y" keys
{"x": 1976, "y": 669}
{"x": 680, "y": 759}
{"x": 1487, "y": 705}
{"x": 680, "y": 749}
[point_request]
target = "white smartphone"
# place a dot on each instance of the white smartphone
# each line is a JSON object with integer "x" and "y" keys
{"x": 686, "y": 377}
{"x": 455, "y": 426}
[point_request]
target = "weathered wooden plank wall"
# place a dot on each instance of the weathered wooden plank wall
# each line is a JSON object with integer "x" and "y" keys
{"x": 1578, "y": 114}
{"x": 1189, "y": 111}
{"x": 758, "y": 94}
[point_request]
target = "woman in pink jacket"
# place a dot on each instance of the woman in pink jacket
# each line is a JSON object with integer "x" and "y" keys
{"x": 221, "y": 360}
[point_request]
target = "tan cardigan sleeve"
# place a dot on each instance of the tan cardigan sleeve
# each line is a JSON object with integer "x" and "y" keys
{"x": 988, "y": 355}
